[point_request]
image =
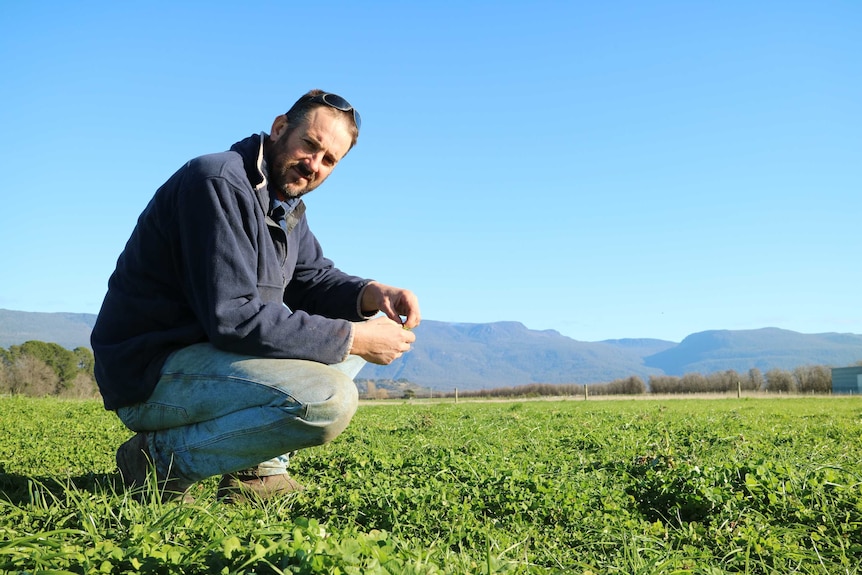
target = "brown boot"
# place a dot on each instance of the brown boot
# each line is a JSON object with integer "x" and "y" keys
{"x": 246, "y": 486}
{"x": 136, "y": 465}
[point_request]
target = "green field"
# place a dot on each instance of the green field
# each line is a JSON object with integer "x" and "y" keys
{"x": 640, "y": 486}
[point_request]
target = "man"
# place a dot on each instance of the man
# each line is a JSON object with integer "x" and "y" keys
{"x": 226, "y": 339}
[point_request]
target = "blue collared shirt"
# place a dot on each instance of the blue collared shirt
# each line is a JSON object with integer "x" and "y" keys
{"x": 279, "y": 209}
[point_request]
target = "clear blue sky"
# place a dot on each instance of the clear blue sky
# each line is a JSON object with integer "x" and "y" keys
{"x": 605, "y": 169}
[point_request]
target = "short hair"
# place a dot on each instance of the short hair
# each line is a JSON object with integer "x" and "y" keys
{"x": 302, "y": 108}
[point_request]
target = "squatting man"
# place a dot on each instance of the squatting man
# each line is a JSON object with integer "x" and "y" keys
{"x": 227, "y": 340}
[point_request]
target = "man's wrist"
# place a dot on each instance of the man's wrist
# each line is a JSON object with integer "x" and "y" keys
{"x": 366, "y": 309}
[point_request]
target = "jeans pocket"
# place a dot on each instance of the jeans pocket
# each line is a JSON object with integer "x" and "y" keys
{"x": 152, "y": 416}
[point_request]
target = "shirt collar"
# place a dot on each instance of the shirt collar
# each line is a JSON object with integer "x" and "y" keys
{"x": 279, "y": 209}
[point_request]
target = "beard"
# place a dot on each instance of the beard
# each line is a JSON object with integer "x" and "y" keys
{"x": 291, "y": 179}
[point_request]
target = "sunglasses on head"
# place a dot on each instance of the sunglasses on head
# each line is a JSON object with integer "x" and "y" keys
{"x": 339, "y": 103}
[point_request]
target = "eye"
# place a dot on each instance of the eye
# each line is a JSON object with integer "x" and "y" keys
{"x": 311, "y": 145}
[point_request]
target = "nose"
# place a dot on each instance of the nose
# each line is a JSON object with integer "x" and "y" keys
{"x": 315, "y": 161}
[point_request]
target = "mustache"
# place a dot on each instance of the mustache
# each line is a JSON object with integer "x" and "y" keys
{"x": 304, "y": 170}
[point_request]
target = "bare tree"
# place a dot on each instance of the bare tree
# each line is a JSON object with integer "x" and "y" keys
{"x": 82, "y": 387}
{"x": 813, "y": 378}
{"x": 370, "y": 390}
{"x": 780, "y": 380}
{"x": 32, "y": 376}
{"x": 722, "y": 381}
{"x": 755, "y": 381}
{"x": 6, "y": 381}
{"x": 664, "y": 384}
{"x": 694, "y": 383}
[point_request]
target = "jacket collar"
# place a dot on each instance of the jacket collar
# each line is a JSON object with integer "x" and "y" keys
{"x": 254, "y": 162}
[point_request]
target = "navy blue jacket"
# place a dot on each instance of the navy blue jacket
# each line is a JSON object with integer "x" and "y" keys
{"x": 205, "y": 263}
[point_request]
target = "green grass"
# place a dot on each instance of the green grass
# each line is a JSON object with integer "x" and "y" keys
{"x": 629, "y": 487}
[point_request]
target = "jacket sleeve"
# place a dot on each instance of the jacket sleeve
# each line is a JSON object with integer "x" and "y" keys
{"x": 317, "y": 286}
{"x": 219, "y": 237}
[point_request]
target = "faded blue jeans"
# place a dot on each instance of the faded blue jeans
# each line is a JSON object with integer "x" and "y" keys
{"x": 214, "y": 412}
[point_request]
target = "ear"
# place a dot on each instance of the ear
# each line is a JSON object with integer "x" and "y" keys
{"x": 279, "y": 128}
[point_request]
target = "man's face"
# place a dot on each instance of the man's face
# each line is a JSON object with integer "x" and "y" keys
{"x": 301, "y": 157}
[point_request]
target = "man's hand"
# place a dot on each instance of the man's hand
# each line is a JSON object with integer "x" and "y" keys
{"x": 396, "y": 303}
{"x": 381, "y": 340}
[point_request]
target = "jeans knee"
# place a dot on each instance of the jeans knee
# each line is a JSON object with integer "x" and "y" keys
{"x": 337, "y": 410}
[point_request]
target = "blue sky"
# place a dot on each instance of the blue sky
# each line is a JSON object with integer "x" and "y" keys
{"x": 604, "y": 169}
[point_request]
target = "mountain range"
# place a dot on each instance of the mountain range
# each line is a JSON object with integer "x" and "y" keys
{"x": 471, "y": 356}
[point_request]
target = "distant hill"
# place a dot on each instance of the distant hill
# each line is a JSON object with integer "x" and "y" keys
{"x": 476, "y": 356}
{"x": 765, "y": 349}
{"x": 473, "y": 356}
{"x": 69, "y": 330}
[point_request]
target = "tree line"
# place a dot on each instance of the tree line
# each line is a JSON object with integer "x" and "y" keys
{"x": 809, "y": 379}
{"x": 38, "y": 368}
{"x": 802, "y": 379}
